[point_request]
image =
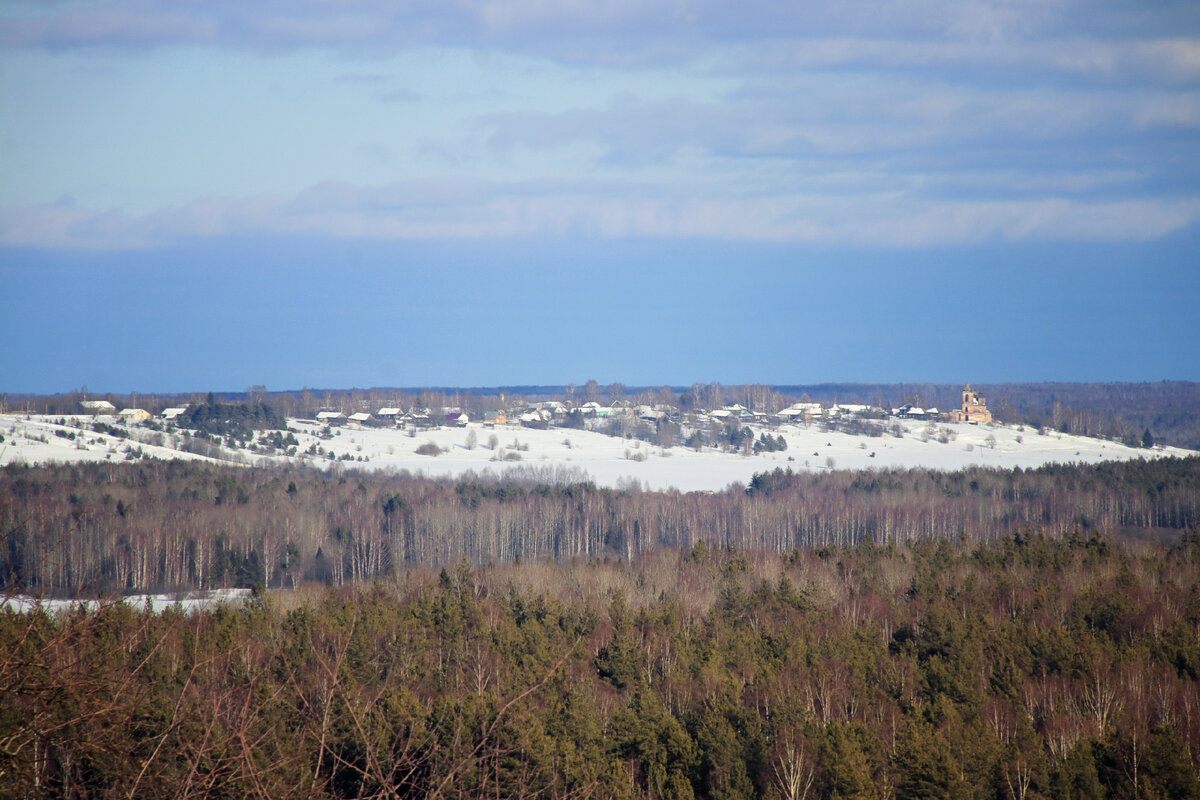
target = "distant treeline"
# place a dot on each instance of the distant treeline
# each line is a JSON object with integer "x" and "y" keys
{"x": 179, "y": 525}
{"x": 1020, "y": 669}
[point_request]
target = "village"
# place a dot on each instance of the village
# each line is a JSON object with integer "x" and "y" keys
{"x": 621, "y": 416}
{"x": 617, "y": 444}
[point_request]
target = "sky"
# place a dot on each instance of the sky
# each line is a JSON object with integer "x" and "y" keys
{"x": 208, "y": 194}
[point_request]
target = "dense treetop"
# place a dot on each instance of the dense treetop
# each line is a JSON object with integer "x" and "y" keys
{"x": 238, "y": 420}
{"x": 1026, "y": 667}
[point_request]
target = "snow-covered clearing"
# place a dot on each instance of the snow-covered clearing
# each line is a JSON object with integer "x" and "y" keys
{"x": 560, "y": 454}
{"x": 188, "y": 602}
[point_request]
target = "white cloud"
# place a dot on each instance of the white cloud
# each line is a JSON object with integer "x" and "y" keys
{"x": 1177, "y": 109}
{"x": 899, "y": 123}
{"x": 1075, "y": 35}
{"x": 466, "y": 210}
{"x": 127, "y": 25}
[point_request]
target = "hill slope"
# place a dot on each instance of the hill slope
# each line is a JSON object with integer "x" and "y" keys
{"x": 576, "y": 454}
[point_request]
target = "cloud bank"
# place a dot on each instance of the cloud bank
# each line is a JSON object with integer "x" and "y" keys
{"x": 898, "y": 124}
{"x": 466, "y": 210}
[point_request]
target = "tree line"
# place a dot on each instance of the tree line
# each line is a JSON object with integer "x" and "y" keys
{"x": 1027, "y": 667}
{"x": 87, "y": 529}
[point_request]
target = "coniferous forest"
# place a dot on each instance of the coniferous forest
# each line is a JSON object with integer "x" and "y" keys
{"x": 884, "y": 634}
{"x": 1025, "y": 667}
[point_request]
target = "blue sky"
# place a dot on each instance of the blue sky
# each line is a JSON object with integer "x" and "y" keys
{"x": 209, "y": 195}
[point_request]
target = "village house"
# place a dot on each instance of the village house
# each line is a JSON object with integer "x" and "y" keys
{"x": 802, "y": 411}
{"x": 650, "y": 414}
{"x": 416, "y": 418}
{"x": 538, "y": 418}
{"x": 852, "y": 408}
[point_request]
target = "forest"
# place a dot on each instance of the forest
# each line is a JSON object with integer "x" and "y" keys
{"x": 83, "y": 530}
{"x": 1027, "y": 666}
{"x": 883, "y": 634}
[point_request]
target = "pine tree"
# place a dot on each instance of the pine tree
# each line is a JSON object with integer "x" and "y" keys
{"x": 926, "y": 767}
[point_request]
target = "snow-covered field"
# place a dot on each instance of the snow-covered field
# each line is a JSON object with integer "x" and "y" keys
{"x": 187, "y": 602}
{"x": 558, "y": 454}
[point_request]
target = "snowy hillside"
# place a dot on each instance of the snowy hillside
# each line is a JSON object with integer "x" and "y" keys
{"x": 563, "y": 454}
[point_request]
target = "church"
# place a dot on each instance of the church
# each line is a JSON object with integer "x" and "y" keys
{"x": 974, "y": 408}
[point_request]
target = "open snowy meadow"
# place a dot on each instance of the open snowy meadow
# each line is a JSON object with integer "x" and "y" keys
{"x": 560, "y": 454}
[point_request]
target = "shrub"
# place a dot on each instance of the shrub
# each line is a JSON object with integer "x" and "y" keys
{"x": 429, "y": 449}
{"x": 771, "y": 444}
